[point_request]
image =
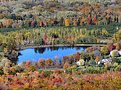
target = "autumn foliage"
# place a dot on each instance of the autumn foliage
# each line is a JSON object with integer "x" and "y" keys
{"x": 48, "y": 80}
{"x": 7, "y": 22}
{"x": 67, "y": 22}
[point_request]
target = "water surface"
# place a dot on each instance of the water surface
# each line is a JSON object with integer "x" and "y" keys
{"x": 34, "y": 54}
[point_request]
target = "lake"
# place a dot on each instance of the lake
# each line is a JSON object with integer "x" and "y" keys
{"x": 34, "y": 54}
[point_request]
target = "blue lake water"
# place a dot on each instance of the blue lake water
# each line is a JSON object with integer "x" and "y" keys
{"x": 34, "y": 54}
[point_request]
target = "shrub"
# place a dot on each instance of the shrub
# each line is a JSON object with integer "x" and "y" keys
{"x": 111, "y": 46}
{"x": 11, "y": 72}
{"x": 72, "y": 69}
{"x": 90, "y": 70}
{"x": 118, "y": 68}
{"x": 118, "y": 60}
{"x": 100, "y": 64}
{"x": 41, "y": 63}
{"x": 1, "y": 71}
{"x": 105, "y": 32}
{"x": 104, "y": 50}
{"x": 118, "y": 46}
{"x": 77, "y": 56}
{"x": 27, "y": 64}
{"x": 93, "y": 70}
{"x": 109, "y": 68}
{"x": 32, "y": 68}
{"x": 18, "y": 69}
{"x": 48, "y": 62}
{"x": 98, "y": 58}
{"x": 114, "y": 53}
{"x": 66, "y": 65}
{"x": 40, "y": 70}
{"x": 92, "y": 63}
{"x": 81, "y": 62}
{"x": 46, "y": 73}
{"x": 115, "y": 64}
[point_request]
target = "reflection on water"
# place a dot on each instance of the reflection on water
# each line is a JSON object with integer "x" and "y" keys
{"x": 34, "y": 54}
{"x": 39, "y": 50}
{"x": 42, "y": 50}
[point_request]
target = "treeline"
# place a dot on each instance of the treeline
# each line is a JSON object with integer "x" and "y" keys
{"x": 20, "y": 22}
{"x": 54, "y": 13}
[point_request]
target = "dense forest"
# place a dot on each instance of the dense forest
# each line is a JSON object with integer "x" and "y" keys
{"x": 92, "y": 25}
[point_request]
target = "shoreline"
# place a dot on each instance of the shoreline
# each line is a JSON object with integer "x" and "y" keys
{"x": 60, "y": 45}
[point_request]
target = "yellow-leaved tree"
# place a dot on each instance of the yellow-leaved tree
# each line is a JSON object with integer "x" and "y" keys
{"x": 117, "y": 36}
{"x": 67, "y": 22}
{"x": 104, "y": 32}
